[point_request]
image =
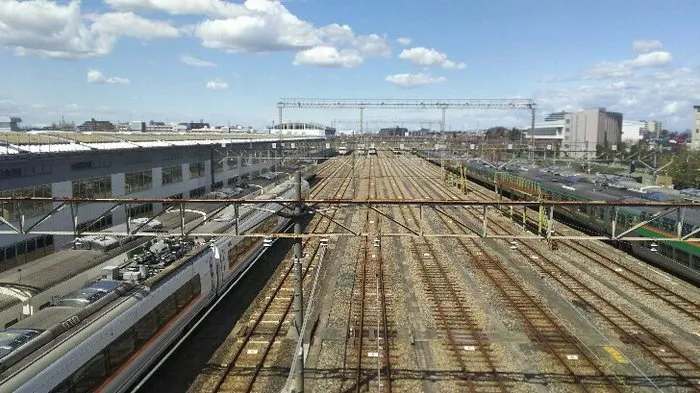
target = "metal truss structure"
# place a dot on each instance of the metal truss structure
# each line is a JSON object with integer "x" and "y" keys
{"x": 545, "y": 231}
{"x": 391, "y": 103}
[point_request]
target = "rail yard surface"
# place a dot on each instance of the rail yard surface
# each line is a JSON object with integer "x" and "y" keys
{"x": 456, "y": 314}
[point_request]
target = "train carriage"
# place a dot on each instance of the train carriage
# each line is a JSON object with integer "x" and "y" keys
{"x": 105, "y": 335}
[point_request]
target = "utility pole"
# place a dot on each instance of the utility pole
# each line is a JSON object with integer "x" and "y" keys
{"x": 298, "y": 288}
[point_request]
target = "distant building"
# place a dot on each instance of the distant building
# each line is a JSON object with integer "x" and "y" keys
{"x": 195, "y": 126}
{"x": 653, "y": 127}
{"x": 137, "y": 126}
{"x": 9, "y": 123}
{"x": 695, "y": 129}
{"x": 393, "y": 131}
{"x": 159, "y": 126}
{"x": 96, "y": 125}
{"x": 556, "y": 116}
{"x": 585, "y": 130}
{"x": 298, "y": 128}
{"x": 633, "y": 131}
{"x": 581, "y": 132}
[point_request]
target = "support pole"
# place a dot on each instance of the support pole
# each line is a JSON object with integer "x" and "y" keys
{"x": 298, "y": 288}
{"x": 443, "y": 108}
{"x": 279, "y": 116}
{"x": 532, "y": 128}
{"x": 362, "y": 120}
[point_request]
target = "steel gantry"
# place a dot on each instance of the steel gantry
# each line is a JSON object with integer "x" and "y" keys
{"x": 392, "y": 103}
{"x": 320, "y": 206}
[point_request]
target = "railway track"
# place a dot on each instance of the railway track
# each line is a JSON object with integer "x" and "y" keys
{"x": 686, "y": 371}
{"x": 643, "y": 285}
{"x": 462, "y": 336}
{"x": 575, "y": 361}
{"x": 242, "y": 369}
{"x": 370, "y": 335}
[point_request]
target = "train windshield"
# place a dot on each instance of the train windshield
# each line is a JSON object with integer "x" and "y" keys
{"x": 88, "y": 295}
{"x": 11, "y": 339}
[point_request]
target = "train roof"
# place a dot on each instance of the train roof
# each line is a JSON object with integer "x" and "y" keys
{"x": 45, "y": 319}
{"x": 11, "y": 339}
{"x": 590, "y": 187}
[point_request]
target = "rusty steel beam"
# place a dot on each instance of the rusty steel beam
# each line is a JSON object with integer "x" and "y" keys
{"x": 366, "y": 202}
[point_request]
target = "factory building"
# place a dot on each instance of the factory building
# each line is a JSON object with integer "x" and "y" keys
{"x": 180, "y": 169}
{"x": 8, "y": 123}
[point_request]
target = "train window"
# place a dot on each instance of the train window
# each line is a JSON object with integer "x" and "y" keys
{"x": 666, "y": 250}
{"x": 183, "y": 295}
{"x": 146, "y": 327}
{"x": 121, "y": 349}
{"x": 166, "y": 310}
{"x": 40, "y": 242}
{"x": 31, "y": 245}
{"x": 196, "y": 285}
{"x": 64, "y": 387}
{"x": 91, "y": 375}
{"x": 687, "y": 228}
{"x": 49, "y": 240}
{"x": 683, "y": 257}
{"x": 12, "y": 322}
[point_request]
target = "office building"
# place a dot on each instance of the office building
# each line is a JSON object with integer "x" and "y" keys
{"x": 9, "y": 123}
{"x": 96, "y": 125}
{"x": 633, "y": 131}
{"x": 695, "y": 129}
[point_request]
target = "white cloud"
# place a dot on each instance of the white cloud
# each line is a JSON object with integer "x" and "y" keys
{"x": 644, "y": 46}
{"x": 129, "y": 24}
{"x": 414, "y": 80}
{"x": 666, "y": 95}
{"x": 268, "y": 26}
{"x": 59, "y": 30}
{"x": 195, "y": 62}
{"x": 671, "y": 108}
{"x": 215, "y": 8}
{"x": 328, "y": 56}
{"x": 425, "y": 57}
{"x": 217, "y": 84}
{"x": 49, "y": 29}
{"x": 405, "y": 41}
{"x": 649, "y": 56}
{"x": 95, "y": 76}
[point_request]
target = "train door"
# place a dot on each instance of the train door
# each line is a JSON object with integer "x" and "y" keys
{"x": 215, "y": 268}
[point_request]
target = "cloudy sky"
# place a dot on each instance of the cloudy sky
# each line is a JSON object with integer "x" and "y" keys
{"x": 225, "y": 61}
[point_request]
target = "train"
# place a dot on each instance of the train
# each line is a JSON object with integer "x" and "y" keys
{"x": 681, "y": 258}
{"x": 105, "y": 335}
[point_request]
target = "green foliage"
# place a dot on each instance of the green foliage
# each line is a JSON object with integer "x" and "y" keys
{"x": 685, "y": 169}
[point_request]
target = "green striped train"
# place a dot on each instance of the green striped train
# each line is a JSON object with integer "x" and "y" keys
{"x": 681, "y": 258}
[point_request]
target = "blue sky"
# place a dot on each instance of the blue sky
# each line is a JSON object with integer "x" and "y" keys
{"x": 175, "y": 60}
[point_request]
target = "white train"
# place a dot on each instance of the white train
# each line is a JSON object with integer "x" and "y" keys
{"x": 105, "y": 335}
